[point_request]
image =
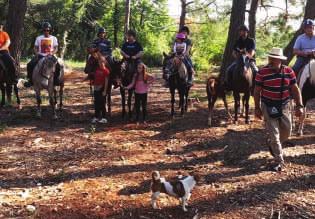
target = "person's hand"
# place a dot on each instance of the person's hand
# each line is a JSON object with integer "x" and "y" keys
{"x": 127, "y": 57}
{"x": 258, "y": 113}
{"x": 133, "y": 57}
{"x": 299, "y": 112}
{"x": 104, "y": 93}
{"x": 125, "y": 88}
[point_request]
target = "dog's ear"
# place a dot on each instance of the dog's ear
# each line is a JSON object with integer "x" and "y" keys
{"x": 196, "y": 176}
{"x": 156, "y": 176}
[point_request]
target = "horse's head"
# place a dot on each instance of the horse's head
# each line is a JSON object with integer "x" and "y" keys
{"x": 167, "y": 63}
{"x": 243, "y": 65}
{"x": 50, "y": 62}
{"x": 116, "y": 72}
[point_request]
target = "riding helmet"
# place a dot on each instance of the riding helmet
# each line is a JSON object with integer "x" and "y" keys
{"x": 180, "y": 36}
{"x": 46, "y": 25}
{"x": 243, "y": 28}
{"x": 308, "y": 22}
{"x": 101, "y": 30}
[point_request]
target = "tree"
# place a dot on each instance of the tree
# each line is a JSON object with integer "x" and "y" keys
{"x": 237, "y": 18}
{"x": 252, "y": 18}
{"x": 15, "y": 24}
{"x": 309, "y": 13}
{"x": 127, "y": 16}
{"x": 184, "y": 5}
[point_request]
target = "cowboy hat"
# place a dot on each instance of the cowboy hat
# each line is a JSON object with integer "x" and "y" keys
{"x": 277, "y": 53}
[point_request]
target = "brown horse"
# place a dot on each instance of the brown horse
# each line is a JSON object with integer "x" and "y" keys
{"x": 215, "y": 89}
{"x": 6, "y": 85}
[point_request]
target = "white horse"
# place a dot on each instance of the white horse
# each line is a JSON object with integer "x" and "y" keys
{"x": 307, "y": 87}
{"x": 43, "y": 78}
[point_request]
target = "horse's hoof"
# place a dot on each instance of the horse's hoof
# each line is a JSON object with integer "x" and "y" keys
{"x": 247, "y": 122}
{"x": 38, "y": 115}
{"x": 55, "y": 117}
{"x": 20, "y": 107}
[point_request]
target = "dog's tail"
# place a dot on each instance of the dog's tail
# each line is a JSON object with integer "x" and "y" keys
{"x": 156, "y": 176}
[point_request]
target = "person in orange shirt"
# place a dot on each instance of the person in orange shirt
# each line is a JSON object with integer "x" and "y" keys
{"x": 5, "y": 55}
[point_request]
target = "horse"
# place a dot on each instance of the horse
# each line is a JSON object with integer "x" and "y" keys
{"x": 177, "y": 71}
{"x": 307, "y": 86}
{"x": 215, "y": 89}
{"x": 114, "y": 78}
{"x": 6, "y": 87}
{"x": 242, "y": 82}
{"x": 44, "y": 78}
{"x": 127, "y": 72}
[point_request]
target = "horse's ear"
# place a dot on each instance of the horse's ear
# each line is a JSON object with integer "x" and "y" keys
{"x": 165, "y": 55}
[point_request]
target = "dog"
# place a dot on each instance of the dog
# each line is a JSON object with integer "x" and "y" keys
{"x": 180, "y": 188}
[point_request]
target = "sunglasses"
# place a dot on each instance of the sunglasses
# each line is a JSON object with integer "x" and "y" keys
{"x": 47, "y": 30}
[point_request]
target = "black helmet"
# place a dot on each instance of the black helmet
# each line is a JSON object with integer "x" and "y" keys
{"x": 101, "y": 30}
{"x": 308, "y": 22}
{"x": 184, "y": 29}
{"x": 46, "y": 25}
{"x": 131, "y": 33}
{"x": 243, "y": 28}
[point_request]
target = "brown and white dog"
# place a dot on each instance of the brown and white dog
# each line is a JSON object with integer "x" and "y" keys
{"x": 180, "y": 188}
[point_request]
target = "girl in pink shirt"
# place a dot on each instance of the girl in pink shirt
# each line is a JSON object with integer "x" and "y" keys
{"x": 141, "y": 83}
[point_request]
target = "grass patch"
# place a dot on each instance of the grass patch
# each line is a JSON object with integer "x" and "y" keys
{"x": 75, "y": 64}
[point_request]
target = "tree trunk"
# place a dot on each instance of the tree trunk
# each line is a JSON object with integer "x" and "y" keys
{"x": 309, "y": 13}
{"x": 182, "y": 19}
{"x": 15, "y": 25}
{"x": 237, "y": 18}
{"x": 127, "y": 16}
{"x": 252, "y": 18}
{"x": 116, "y": 23}
{"x": 64, "y": 44}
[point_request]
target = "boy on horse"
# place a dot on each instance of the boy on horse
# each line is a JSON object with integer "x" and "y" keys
{"x": 131, "y": 49}
{"x": 304, "y": 47}
{"x": 5, "y": 56}
{"x": 104, "y": 45}
{"x": 246, "y": 45}
{"x": 45, "y": 45}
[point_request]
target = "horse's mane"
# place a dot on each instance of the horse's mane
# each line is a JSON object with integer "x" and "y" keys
{"x": 46, "y": 64}
{"x": 312, "y": 73}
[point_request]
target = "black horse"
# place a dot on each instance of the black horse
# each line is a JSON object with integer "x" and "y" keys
{"x": 6, "y": 84}
{"x": 127, "y": 72}
{"x": 242, "y": 82}
{"x": 177, "y": 71}
{"x": 114, "y": 78}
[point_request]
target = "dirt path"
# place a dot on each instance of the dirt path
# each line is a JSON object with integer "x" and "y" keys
{"x": 70, "y": 169}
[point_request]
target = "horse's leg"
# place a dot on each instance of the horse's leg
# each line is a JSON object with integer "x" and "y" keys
{"x": 243, "y": 109}
{"x": 236, "y": 105}
{"x": 61, "y": 95}
{"x": 226, "y": 106}
{"x": 16, "y": 91}
{"x": 301, "y": 123}
{"x": 9, "y": 93}
{"x": 51, "y": 91}
{"x": 123, "y": 101}
{"x": 211, "y": 102}
{"x": 130, "y": 93}
{"x": 109, "y": 100}
{"x": 2, "y": 87}
{"x": 246, "y": 97}
{"x": 186, "y": 98}
{"x": 39, "y": 101}
{"x": 172, "y": 90}
{"x": 55, "y": 96}
{"x": 182, "y": 101}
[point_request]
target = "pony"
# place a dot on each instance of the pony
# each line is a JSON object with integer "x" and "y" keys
{"x": 242, "y": 82}
{"x": 306, "y": 82}
{"x": 215, "y": 89}
{"x": 6, "y": 87}
{"x": 44, "y": 78}
{"x": 174, "y": 67}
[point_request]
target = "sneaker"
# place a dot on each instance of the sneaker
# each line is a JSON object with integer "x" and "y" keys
{"x": 94, "y": 120}
{"x": 102, "y": 121}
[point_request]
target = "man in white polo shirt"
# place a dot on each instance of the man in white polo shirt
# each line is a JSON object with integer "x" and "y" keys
{"x": 45, "y": 44}
{"x": 304, "y": 47}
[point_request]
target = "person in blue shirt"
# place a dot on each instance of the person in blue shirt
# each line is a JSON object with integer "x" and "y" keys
{"x": 104, "y": 45}
{"x": 304, "y": 47}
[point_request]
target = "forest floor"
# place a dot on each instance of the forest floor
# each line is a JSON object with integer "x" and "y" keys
{"x": 71, "y": 169}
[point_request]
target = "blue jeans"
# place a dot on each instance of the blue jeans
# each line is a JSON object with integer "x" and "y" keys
{"x": 300, "y": 63}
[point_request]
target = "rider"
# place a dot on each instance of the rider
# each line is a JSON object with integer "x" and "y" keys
{"x": 45, "y": 44}
{"x": 104, "y": 45}
{"x": 131, "y": 49}
{"x": 304, "y": 46}
{"x": 185, "y": 30}
{"x": 5, "y": 55}
{"x": 246, "y": 45}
